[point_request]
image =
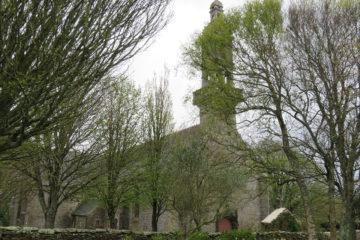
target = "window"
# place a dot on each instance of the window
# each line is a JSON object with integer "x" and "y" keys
{"x": 136, "y": 210}
{"x": 97, "y": 223}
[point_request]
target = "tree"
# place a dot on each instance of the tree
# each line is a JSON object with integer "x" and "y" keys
{"x": 203, "y": 177}
{"x": 324, "y": 55}
{"x": 157, "y": 125}
{"x": 300, "y": 81}
{"x": 15, "y": 188}
{"x": 270, "y": 164}
{"x": 120, "y": 133}
{"x": 15, "y": 192}
{"x": 254, "y": 33}
{"x": 61, "y": 162}
{"x": 52, "y": 50}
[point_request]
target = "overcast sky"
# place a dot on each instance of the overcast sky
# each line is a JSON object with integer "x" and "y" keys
{"x": 189, "y": 17}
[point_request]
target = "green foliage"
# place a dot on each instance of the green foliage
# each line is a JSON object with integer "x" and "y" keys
{"x": 262, "y": 17}
{"x": 51, "y": 52}
{"x": 4, "y": 216}
{"x": 273, "y": 61}
{"x": 240, "y": 234}
{"x": 214, "y": 45}
{"x": 199, "y": 236}
{"x": 212, "y": 54}
{"x": 203, "y": 177}
{"x": 157, "y": 125}
{"x": 294, "y": 226}
{"x": 128, "y": 237}
{"x": 158, "y": 237}
{"x": 347, "y": 4}
{"x": 212, "y": 50}
{"x": 119, "y": 132}
{"x": 177, "y": 235}
{"x": 236, "y": 234}
{"x": 271, "y": 163}
{"x": 218, "y": 97}
{"x": 172, "y": 236}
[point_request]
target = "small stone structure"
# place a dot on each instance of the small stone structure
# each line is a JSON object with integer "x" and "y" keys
{"x": 280, "y": 219}
{"x": 89, "y": 215}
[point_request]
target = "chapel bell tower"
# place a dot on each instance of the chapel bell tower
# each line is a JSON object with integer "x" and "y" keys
{"x": 217, "y": 92}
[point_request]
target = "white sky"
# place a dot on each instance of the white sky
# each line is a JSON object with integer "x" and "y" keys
{"x": 189, "y": 17}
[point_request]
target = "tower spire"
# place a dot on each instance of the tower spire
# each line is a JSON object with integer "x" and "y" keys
{"x": 214, "y": 98}
{"x": 216, "y": 8}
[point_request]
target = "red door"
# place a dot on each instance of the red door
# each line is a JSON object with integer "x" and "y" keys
{"x": 224, "y": 225}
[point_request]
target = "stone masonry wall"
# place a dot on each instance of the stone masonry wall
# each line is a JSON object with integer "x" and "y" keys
{"x": 283, "y": 236}
{"x": 16, "y": 233}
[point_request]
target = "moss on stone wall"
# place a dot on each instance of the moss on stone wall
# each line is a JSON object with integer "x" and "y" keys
{"x": 279, "y": 235}
{"x": 17, "y": 233}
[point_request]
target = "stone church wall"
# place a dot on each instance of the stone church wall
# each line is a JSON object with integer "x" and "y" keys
{"x": 33, "y": 215}
{"x": 245, "y": 201}
{"x": 167, "y": 221}
{"x": 248, "y": 203}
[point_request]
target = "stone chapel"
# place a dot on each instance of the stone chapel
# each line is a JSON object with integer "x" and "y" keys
{"x": 248, "y": 210}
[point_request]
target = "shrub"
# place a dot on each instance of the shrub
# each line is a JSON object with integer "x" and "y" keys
{"x": 237, "y": 235}
{"x": 177, "y": 235}
{"x": 128, "y": 237}
{"x": 170, "y": 236}
{"x": 199, "y": 236}
{"x": 158, "y": 237}
{"x": 294, "y": 226}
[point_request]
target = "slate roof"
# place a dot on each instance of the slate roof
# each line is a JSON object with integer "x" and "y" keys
{"x": 274, "y": 215}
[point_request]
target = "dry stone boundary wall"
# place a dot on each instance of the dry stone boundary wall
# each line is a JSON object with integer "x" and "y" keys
{"x": 16, "y": 233}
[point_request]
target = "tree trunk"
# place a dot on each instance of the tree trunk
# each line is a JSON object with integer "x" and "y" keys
{"x": 184, "y": 222}
{"x": 50, "y": 217}
{"x": 332, "y": 203}
{"x": 22, "y": 206}
{"x": 124, "y": 220}
{"x": 296, "y": 167}
{"x": 111, "y": 179}
{"x": 347, "y": 230}
{"x": 311, "y": 230}
{"x": 154, "y": 217}
{"x": 112, "y": 219}
{"x": 49, "y": 209}
{"x": 197, "y": 225}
